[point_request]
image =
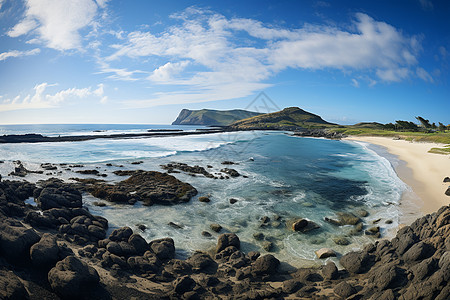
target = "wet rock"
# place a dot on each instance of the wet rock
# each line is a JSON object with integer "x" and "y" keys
{"x": 72, "y": 278}
{"x": 227, "y": 162}
{"x": 59, "y": 195}
{"x": 346, "y": 218}
{"x": 324, "y": 253}
{"x": 447, "y": 192}
{"x": 233, "y": 200}
{"x": 227, "y": 239}
{"x": 215, "y": 227}
{"x": 176, "y": 226}
{"x": 16, "y": 240}
{"x": 341, "y": 240}
{"x": 299, "y": 224}
{"x": 265, "y": 265}
{"x": 204, "y": 199}
{"x": 259, "y": 236}
{"x": 44, "y": 254}
{"x": 206, "y": 234}
{"x": 303, "y": 225}
{"x": 151, "y": 187}
{"x": 344, "y": 289}
{"x": 163, "y": 248}
{"x": 231, "y": 172}
{"x": 253, "y": 255}
{"x": 330, "y": 271}
{"x": 191, "y": 170}
{"x": 446, "y": 179}
{"x": 362, "y": 212}
{"x": 11, "y": 287}
{"x": 268, "y": 246}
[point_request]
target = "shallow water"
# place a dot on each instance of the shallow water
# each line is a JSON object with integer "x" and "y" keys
{"x": 287, "y": 176}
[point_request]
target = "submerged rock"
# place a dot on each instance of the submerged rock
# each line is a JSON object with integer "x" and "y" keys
{"x": 324, "y": 253}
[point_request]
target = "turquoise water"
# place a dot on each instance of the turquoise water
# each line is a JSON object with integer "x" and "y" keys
{"x": 287, "y": 176}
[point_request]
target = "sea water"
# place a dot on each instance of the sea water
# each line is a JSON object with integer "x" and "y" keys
{"x": 286, "y": 178}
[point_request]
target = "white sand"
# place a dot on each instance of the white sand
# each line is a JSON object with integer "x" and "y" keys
{"x": 424, "y": 172}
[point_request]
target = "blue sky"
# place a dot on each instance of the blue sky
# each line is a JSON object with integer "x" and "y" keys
{"x": 100, "y": 61}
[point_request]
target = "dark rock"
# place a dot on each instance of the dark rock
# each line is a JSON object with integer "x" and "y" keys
{"x": 424, "y": 269}
{"x": 291, "y": 286}
{"x": 176, "y": 226}
{"x": 231, "y": 172}
{"x": 344, "y": 289}
{"x": 341, "y": 240}
{"x": 447, "y": 192}
{"x": 330, "y": 271}
{"x": 72, "y": 278}
{"x": 356, "y": 262}
{"x": 265, "y": 219}
{"x": 16, "y": 240}
{"x": 139, "y": 243}
{"x": 268, "y": 246}
{"x": 121, "y": 234}
{"x": 227, "y": 162}
{"x": 143, "y": 264}
{"x": 346, "y": 218}
{"x": 88, "y": 172}
{"x": 201, "y": 261}
{"x": 151, "y": 187}
{"x": 59, "y": 196}
{"x": 418, "y": 251}
{"x": 404, "y": 239}
{"x": 44, "y": 254}
{"x": 227, "y": 239}
{"x": 253, "y": 255}
{"x": 206, "y": 234}
{"x": 204, "y": 199}
{"x": 386, "y": 276}
{"x": 215, "y": 227}
{"x": 183, "y": 284}
{"x": 11, "y": 287}
{"x": 446, "y": 179}
{"x": 233, "y": 200}
{"x": 259, "y": 236}
{"x": 265, "y": 265}
{"x": 163, "y": 248}
{"x": 299, "y": 224}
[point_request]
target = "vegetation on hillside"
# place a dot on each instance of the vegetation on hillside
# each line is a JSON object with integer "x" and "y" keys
{"x": 212, "y": 117}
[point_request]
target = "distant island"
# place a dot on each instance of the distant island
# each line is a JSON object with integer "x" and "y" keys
{"x": 212, "y": 117}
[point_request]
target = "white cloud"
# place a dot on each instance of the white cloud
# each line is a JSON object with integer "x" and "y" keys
{"x": 16, "y": 53}
{"x": 43, "y": 99}
{"x": 166, "y": 72}
{"x": 424, "y": 75}
{"x": 57, "y": 22}
{"x": 355, "y": 83}
{"x": 226, "y": 53}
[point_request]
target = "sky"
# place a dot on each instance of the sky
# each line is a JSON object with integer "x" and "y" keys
{"x": 138, "y": 61}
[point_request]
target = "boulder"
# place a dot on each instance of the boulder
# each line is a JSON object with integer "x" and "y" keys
{"x": 231, "y": 172}
{"x": 344, "y": 289}
{"x": 227, "y": 239}
{"x": 386, "y": 276}
{"x": 215, "y": 227}
{"x": 183, "y": 284}
{"x": 141, "y": 264}
{"x": 418, "y": 251}
{"x": 59, "y": 195}
{"x": 16, "y": 240}
{"x": 355, "y": 262}
{"x": 265, "y": 265}
{"x": 72, "y": 278}
{"x": 324, "y": 253}
{"x": 447, "y": 192}
{"x": 204, "y": 199}
{"x": 11, "y": 287}
{"x": 163, "y": 248}
{"x": 330, "y": 271}
{"x": 44, "y": 254}
{"x": 346, "y": 218}
{"x": 341, "y": 240}
{"x": 201, "y": 261}
{"x": 139, "y": 243}
{"x": 291, "y": 286}
{"x": 446, "y": 179}
{"x": 299, "y": 224}
{"x": 121, "y": 234}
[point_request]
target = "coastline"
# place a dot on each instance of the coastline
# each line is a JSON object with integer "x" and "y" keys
{"x": 422, "y": 171}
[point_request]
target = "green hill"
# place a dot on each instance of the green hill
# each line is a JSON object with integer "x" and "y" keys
{"x": 290, "y": 118}
{"x": 212, "y": 117}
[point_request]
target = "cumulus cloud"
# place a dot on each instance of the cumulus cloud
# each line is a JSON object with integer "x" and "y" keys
{"x": 208, "y": 52}
{"x": 57, "y": 22}
{"x": 426, "y": 4}
{"x": 17, "y": 53}
{"x": 42, "y": 99}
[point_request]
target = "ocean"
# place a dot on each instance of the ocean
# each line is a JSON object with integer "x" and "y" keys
{"x": 286, "y": 178}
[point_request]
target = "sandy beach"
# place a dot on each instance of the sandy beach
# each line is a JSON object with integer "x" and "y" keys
{"x": 424, "y": 172}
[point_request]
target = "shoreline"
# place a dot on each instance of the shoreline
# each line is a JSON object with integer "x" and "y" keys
{"x": 422, "y": 171}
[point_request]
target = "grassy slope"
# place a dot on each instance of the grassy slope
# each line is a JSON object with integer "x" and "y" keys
{"x": 216, "y": 117}
{"x": 291, "y": 116}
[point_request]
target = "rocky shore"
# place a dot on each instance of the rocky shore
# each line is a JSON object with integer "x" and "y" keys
{"x": 58, "y": 249}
